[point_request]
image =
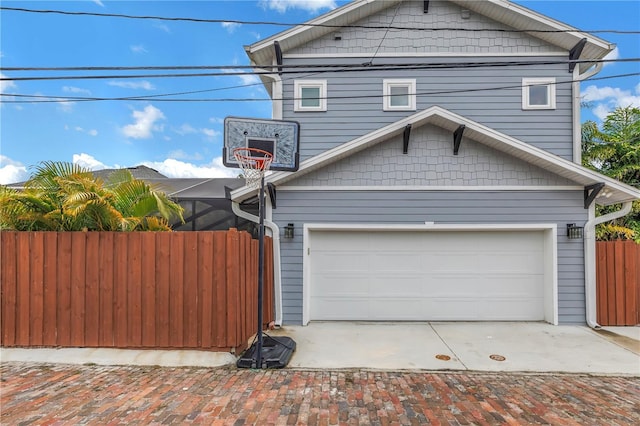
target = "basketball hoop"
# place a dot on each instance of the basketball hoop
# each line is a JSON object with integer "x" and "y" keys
{"x": 254, "y": 164}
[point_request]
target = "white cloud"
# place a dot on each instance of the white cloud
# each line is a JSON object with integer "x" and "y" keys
{"x": 79, "y": 129}
{"x": 92, "y": 132}
{"x": 179, "y": 169}
{"x": 181, "y": 155}
{"x": 186, "y": 129}
{"x": 6, "y": 84}
{"x": 145, "y": 123}
{"x": 231, "y": 27}
{"x": 12, "y": 171}
{"x": 613, "y": 55}
{"x": 65, "y": 106}
{"x": 138, "y": 48}
{"x": 606, "y": 99}
{"x": 163, "y": 27}
{"x": 142, "y": 84}
{"x": 217, "y": 120}
{"x": 88, "y": 161}
{"x": 309, "y": 5}
{"x": 210, "y": 133}
{"x": 245, "y": 77}
{"x": 71, "y": 89}
{"x": 99, "y": 3}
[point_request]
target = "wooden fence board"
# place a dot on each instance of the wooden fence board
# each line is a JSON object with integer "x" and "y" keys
{"x": 64, "y": 289}
{"x": 134, "y": 289}
{"x": 190, "y": 301}
{"x": 618, "y": 282}
{"x": 92, "y": 290}
{"x": 106, "y": 258}
{"x": 8, "y": 287}
{"x": 149, "y": 285}
{"x": 50, "y": 284}
{"x": 111, "y": 289}
{"x": 23, "y": 320}
{"x": 163, "y": 259}
{"x": 176, "y": 292}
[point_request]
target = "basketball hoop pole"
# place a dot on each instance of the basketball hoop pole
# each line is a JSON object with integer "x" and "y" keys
{"x": 260, "y": 272}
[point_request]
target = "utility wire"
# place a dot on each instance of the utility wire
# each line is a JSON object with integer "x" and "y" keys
{"x": 142, "y": 98}
{"x": 294, "y": 24}
{"x": 309, "y": 68}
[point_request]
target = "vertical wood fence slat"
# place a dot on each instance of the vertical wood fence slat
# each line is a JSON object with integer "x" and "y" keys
{"x": 92, "y": 291}
{"x": 163, "y": 257}
{"x": 149, "y": 285}
{"x": 8, "y": 287}
{"x": 36, "y": 270}
{"x": 219, "y": 317}
{"x": 618, "y": 282}
{"x": 50, "y": 288}
{"x": 106, "y": 262}
{"x": 134, "y": 290}
{"x": 120, "y": 317}
{"x": 190, "y": 289}
{"x": 22, "y": 323}
{"x": 205, "y": 288}
{"x": 131, "y": 290}
{"x": 64, "y": 289}
{"x": 176, "y": 291}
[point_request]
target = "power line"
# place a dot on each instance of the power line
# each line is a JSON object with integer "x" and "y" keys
{"x": 306, "y": 66}
{"x": 366, "y": 67}
{"x": 293, "y": 24}
{"x": 58, "y": 99}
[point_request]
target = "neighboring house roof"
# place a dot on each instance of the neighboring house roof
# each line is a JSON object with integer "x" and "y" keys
{"x": 197, "y": 188}
{"x": 614, "y": 191}
{"x": 513, "y": 15}
{"x": 138, "y": 172}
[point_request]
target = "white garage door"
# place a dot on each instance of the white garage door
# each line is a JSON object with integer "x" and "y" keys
{"x": 426, "y": 276}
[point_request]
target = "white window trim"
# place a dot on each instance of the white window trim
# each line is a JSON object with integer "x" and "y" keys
{"x": 299, "y": 85}
{"x": 386, "y": 99}
{"x": 551, "y": 92}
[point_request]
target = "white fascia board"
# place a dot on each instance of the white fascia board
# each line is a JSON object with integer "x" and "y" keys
{"x": 399, "y": 188}
{"x": 482, "y": 134}
{"x": 420, "y": 55}
{"x": 430, "y": 226}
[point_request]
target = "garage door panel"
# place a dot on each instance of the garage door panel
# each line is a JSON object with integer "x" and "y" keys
{"x": 427, "y": 275}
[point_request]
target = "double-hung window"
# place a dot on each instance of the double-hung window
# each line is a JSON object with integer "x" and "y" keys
{"x": 310, "y": 95}
{"x": 399, "y": 95}
{"x": 538, "y": 93}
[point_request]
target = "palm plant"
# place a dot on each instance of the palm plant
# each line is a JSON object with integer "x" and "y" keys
{"x": 614, "y": 151}
{"x": 66, "y": 197}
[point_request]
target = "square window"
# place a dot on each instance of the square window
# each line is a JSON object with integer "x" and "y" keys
{"x": 310, "y": 95}
{"x": 539, "y": 93}
{"x": 399, "y": 95}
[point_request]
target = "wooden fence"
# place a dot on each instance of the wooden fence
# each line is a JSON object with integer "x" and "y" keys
{"x": 618, "y": 282}
{"x": 187, "y": 290}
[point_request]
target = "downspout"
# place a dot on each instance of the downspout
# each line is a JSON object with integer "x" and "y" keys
{"x": 275, "y": 234}
{"x": 577, "y": 126}
{"x": 590, "y": 257}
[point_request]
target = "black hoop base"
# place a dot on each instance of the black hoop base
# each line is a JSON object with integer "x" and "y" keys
{"x": 276, "y": 353}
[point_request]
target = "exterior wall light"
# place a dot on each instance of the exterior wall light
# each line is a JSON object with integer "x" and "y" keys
{"x": 288, "y": 231}
{"x": 574, "y": 232}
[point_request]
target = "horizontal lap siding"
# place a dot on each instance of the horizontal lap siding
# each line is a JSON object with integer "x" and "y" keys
{"x": 442, "y": 207}
{"x": 350, "y": 115}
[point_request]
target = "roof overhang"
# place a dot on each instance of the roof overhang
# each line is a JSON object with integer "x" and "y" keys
{"x": 613, "y": 192}
{"x": 518, "y": 17}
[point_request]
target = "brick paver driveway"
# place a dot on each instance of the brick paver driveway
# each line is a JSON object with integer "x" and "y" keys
{"x": 56, "y": 394}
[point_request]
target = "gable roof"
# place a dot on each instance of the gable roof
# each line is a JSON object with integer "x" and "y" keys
{"x": 513, "y": 15}
{"x": 613, "y": 192}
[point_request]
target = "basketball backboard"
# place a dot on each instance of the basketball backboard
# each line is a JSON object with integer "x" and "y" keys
{"x": 281, "y": 138}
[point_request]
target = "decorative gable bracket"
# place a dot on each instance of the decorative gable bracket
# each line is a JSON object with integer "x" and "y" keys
{"x": 278, "y": 50}
{"x": 271, "y": 189}
{"x": 575, "y": 52}
{"x": 405, "y": 138}
{"x": 457, "y": 138}
{"x": 591, "y": 192}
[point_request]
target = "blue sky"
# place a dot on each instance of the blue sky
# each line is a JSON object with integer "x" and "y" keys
{"x": 185, "y": 139}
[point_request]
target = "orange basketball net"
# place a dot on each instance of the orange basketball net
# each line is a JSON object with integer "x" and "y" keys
{"x": 254, "y": 164}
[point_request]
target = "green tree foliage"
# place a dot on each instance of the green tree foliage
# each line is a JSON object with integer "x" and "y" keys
{"x": 66, "y": 197}
{"x": 614, "y": 150}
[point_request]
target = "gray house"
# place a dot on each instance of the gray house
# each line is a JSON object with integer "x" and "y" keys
{"x": 440, "y": 174}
